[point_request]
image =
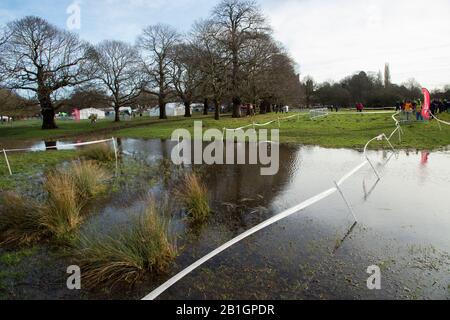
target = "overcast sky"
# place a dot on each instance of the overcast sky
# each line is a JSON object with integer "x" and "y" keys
{"x": 329, "y": 39}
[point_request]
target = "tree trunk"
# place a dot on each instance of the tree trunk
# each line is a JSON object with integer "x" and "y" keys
{"x": 117, "y": 115}
{"x": 236, "y": 107}
{"x": 187, "y": 109}
{"x": 216, "y": 109}
{"x": 162, "y": 108}
{"x": 205, "y": 107}
{"x": 48, "y": 113}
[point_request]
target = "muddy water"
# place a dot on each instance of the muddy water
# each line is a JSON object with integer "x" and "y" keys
{"x": 404, "y": 227}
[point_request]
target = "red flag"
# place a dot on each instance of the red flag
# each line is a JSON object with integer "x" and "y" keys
{"x": 426, "y": 104}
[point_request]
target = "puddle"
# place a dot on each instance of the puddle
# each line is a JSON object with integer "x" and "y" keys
{"x": 404, "y": 226}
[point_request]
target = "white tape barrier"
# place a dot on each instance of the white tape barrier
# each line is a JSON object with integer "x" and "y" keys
{"x": 156, "y": 293}
{"x": 164, "y": 287}
{"x": 362, "y": 113}
{"x": 113, "y": 140}
{"x": 318, "y": 113}
{"x": 264, "y": 124}
{"x": 439, "y": 120}
{"x": 62, "y": 146}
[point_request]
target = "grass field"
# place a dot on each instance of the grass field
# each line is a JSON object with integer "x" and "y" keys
{"x": 338, "y": 130}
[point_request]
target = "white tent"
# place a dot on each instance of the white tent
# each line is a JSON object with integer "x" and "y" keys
{"x": 172, "y": 110}
{"x": 86, "y": 113}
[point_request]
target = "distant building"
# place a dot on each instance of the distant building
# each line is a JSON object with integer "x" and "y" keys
{"x": 175, "y": 109}
{"x": 86, "y": 113}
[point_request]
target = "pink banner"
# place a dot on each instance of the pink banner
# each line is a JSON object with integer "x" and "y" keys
{"x": 426, "y": 104}
{"x": 76, "y": 114}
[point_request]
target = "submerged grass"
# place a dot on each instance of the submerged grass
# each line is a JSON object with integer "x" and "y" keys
{"x": 127, "y": 254}
{"x": 193, "y": 195}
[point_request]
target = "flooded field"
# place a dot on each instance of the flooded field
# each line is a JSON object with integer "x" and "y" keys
{"x": 404, "y": 228}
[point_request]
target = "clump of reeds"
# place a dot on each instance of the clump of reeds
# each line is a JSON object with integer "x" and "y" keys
{"x": 127, "y": 254}
{"x": 100, "y": 153}
{"x": 24, "y": 221}
{"x": 19, "y": 221}
{"x": 90, "y": 179}
{"x": 61, "y": 214}
{"x": 193, "y": 196}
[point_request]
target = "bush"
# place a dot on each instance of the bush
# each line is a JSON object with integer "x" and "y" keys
{"x": 193, "y": 195}
{"x": 127, "y": 254}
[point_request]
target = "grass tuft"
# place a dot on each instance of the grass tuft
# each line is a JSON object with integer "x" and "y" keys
{"x": 90, "y": 179}
{"x": 61, "y": 215}
{"x": 193, "y": 195}
{"x": 126, "y": 255}
{"x": 100, "y": 153}
{"x": 19, "y": 221}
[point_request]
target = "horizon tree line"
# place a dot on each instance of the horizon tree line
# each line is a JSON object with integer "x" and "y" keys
{"x": 229, "y": 58}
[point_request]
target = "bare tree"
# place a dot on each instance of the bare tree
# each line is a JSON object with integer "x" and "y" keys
{"x": 239, "y": 21}
{"x": 156, "y": 42}
{"x": 257, "y": 68}
{"x": 185, "y": 74}
{"x": 119, "y": 73}
{"x": 310, "y": 87}
{"x": 213, "y": 62}
{"x": 43, "y": 59}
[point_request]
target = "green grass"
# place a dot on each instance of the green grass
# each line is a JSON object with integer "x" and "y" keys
{"x": 337, "y": 130}
{"x": 12, "y": 259}
{"x": 25, "y": 165}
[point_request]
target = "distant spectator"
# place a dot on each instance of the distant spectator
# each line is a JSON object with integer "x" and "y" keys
{"x": 419, "y": 108}
{"x": 359, "y": 107}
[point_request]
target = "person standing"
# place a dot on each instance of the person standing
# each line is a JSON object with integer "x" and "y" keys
{"x": 408, "y": 110}
{"x": 419, "y": 109}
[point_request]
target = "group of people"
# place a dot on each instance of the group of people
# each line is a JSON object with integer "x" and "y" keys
{"x": 410, "y": 108}
{"x": 439, "y": 106}
{"x": 281, "y": 109}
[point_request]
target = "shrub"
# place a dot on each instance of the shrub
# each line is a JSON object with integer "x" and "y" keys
{"x": 127, "y": 254}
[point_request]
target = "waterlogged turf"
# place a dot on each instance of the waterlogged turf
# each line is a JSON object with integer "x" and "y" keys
{"x": 403, "y": 228}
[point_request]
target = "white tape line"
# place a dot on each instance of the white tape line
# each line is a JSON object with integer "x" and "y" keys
{"x": 62, "y": 146}
{"x": 439, "y": 120}
{"x": 157, "y": 292}
{"x": 362, "y": 113}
